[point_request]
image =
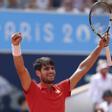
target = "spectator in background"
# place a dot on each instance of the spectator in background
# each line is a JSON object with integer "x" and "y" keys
{"x": 100, "y": 82}
{"x": 56, "y": 3}
{"x": 13, "y": 4}
{"x": 8, "y": 96}
{"x": 31, "y": 5}
{"x": 87, "y": 5}
{"x": 5, "y": 86}
{"x": 23, "y": 107}
{"x": 107, "y": 96}
{"x": 107, "y": 1}
{"x": 42, "y": 5}
{"x": 67, "y": 6}
{"x": 106, "y": 105}
{"x": 83, "y": 5}
{"x": 2, "y": 4}
{"x": 5, "y": 91}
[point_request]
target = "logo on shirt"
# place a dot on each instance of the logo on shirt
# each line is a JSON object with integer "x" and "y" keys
{"x": 58, "y": 91}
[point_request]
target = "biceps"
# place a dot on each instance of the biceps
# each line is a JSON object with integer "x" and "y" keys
{"x": 76, "y": 77}
{"x": 25, "y": 79}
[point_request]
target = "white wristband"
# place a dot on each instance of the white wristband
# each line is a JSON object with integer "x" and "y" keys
{"x": 16, "y": 50}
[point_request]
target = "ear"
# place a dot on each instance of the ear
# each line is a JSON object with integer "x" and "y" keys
{"x": 38, "y": 73}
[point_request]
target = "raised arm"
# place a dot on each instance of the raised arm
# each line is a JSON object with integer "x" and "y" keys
{"x": 88, "y": 62}
{"x": 19, "y": 63}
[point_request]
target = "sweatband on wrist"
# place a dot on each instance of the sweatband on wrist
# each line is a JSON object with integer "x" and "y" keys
{"x": 16, "y": 50}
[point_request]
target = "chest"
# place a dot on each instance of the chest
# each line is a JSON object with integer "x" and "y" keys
{"x": 49, "y": 101}
{"x": 52, "y": 95}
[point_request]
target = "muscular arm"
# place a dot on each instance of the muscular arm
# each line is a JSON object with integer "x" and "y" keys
{"x": 18, "y": 61}
{"x": 84, "y": 67}
{"x": 22, "y": 72}
{"x": 88, "y": 62}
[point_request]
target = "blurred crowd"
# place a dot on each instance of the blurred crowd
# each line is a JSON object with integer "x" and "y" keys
{"x": 11, "y": 98}
{"x": 101, "y": 88}
{"x": 76, "y": 6}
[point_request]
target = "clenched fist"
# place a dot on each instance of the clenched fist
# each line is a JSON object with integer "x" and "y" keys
{"x": 105, "y": 40}
{"x": 16, "y": 39}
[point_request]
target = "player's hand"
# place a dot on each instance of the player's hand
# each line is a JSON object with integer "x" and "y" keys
{"x": 104, "y": 41}
{"x": 16, "y": 38}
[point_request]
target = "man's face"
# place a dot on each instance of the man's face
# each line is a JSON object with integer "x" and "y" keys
{"x": 104, "y": 71}
{"x": 68, "y": 3}
{"x": 47, "y": 74}
{"x": 12, "y": 1}
{"x": 108, "y": 99}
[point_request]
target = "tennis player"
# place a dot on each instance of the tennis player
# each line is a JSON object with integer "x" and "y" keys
{"x": 46, "y": 96}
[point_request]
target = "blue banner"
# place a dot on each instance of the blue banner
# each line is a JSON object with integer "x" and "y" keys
{"x": 47, "y": 32}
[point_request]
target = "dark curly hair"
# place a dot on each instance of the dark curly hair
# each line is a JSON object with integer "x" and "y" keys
{"x": 43, "y": 61}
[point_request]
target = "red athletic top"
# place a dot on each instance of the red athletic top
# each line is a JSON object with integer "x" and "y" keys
{"x": 40, "y": 99}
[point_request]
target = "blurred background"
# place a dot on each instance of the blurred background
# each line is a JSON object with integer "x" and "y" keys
{"x": 56, "y": 28}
